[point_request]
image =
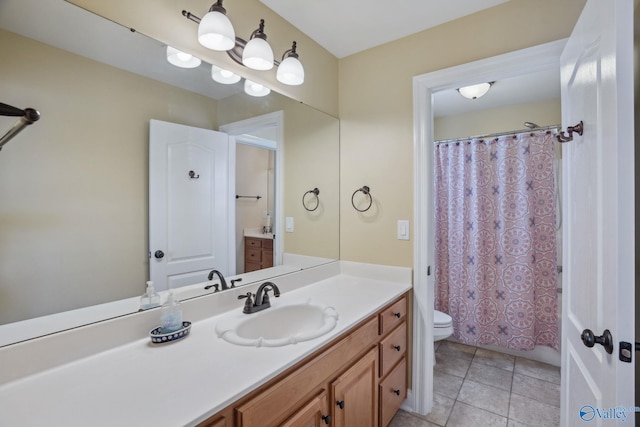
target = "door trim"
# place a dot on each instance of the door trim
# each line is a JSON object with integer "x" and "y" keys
{"x": 537, "y": 58}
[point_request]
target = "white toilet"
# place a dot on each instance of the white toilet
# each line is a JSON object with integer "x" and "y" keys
{"x": 442, "y": 325}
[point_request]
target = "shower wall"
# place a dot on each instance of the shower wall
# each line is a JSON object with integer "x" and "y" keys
{"x": 512, "y": 117}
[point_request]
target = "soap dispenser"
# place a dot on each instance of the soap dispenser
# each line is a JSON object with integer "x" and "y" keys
{"x": 150, "y": 298}
{"x": 171, "y": 317}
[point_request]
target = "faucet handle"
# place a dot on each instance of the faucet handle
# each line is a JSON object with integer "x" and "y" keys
{"x": 233, "y": 282}
{"x": 248, "y": 303}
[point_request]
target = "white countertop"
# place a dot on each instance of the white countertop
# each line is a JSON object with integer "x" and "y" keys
{"x": 185, "y": 382}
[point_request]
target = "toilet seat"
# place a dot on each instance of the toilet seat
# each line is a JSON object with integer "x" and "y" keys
{"x": 442, "y": 325}
{"x": 441, "y": 320}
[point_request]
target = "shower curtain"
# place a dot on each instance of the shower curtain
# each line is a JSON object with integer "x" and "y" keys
{"x": 496, "y": 240}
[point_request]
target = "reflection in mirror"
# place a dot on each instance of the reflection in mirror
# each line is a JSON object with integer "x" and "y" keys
{"x": 74, "y": 186}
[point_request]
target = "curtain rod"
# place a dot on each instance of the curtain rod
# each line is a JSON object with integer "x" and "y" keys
{"x": 498, "y": 134}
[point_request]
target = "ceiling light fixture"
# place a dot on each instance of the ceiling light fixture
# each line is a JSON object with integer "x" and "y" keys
{"x": 181, "y": 59}
{"x": 215, "y": 31}
{"x": 257, "y": 54}
{"x": 223, "y": 76}
{"x": 475, "y": 91}
{"x": 290, "y": 70}
{"x": 255, "y": 89}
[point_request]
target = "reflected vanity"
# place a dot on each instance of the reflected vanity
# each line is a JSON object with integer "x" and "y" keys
{"x": 74, "y": 187}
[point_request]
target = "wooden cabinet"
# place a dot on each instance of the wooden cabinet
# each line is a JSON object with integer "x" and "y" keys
{"x": 313, "y": 414}
{"x": 358, "y": 380}
{"x": 355, "y": 394}
{"x": 258, "y": 253}
{"x": 393, "y": 391}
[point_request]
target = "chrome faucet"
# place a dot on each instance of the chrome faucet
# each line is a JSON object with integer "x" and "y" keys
{"x": 223, "y": 282}
{"x": 260, "y": 300}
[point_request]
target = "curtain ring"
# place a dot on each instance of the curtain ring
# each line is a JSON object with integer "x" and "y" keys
{"x": 366, "y": 192}
{"x": 315, "y": 191}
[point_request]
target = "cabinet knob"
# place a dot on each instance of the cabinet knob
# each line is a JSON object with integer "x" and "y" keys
{"x": 326, "y": 419}
{"x": 340, "y": 404}
{"x": 397, "y": 347}
{"x": 397, "y": 392}
{"x": 397, "y": 315}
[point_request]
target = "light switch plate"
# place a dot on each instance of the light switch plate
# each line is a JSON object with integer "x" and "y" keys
{"x": 288, "y": 224}
{"x": 403, "y": 229}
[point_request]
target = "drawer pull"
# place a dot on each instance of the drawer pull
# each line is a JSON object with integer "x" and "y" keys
{"x": 340, "y": 404}
{"x": 326, "y": 419}
{"x": 397, "y": 315}
{"x": 397, "y": 347}
{"x": 397, "y": 392}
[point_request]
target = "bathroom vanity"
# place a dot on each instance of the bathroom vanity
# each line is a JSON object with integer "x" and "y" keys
{"x": 359, "y": 378}
{"x": 258, "y": 253}
{"x": 110, "y": 373}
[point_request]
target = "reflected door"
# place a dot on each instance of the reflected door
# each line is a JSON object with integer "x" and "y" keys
{"x": 188, "y": 198}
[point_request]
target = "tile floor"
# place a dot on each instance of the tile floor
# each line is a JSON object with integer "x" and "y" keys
{"x": 474, "y": 387}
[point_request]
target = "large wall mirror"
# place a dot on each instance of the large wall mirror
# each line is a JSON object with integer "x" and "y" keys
{"x": 74, "y": 186}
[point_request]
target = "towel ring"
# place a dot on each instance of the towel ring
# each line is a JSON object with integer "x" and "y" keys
{"x": 315, "y": 191}
{"x": 366, "y": 192}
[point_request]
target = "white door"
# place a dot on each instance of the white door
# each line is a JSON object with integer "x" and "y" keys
{"x": 188, "y": 199}
{"x": 598, "y": 216}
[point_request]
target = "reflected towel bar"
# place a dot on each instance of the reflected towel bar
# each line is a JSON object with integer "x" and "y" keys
{"x": 27, "y": 116}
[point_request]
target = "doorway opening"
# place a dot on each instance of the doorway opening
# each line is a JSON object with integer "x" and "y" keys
{"x": 259, "y": 140}
{"x": 539, "y": 58}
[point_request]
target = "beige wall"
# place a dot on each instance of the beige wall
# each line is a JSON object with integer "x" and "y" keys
{"x": 320, "y": 89}
{"x": 92, "y": 140}
{"x": 376, "y": 112}
{"x": 503, "y": 119}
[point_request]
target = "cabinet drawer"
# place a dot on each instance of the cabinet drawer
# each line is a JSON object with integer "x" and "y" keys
{"x": 393, "y": 316}
{"x": 392, "y": 392}
{"x": 253, "y": 255}
{"x": 253, "y": 243}
{"x": 393, "y": 348}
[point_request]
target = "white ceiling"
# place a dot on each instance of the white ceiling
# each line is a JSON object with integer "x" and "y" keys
{"x": 531, "y": 87}
{"x": 345, "y": 27}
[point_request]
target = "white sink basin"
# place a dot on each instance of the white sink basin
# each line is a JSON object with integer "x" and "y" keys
{"x": 278, "y": 326}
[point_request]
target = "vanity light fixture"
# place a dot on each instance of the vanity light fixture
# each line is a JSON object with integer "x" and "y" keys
{"x": 223, "y": 76}
{"x": 182, "y": 59}
{"x": 475, "y": 91}
{"x": 255, "y": 89}
{"x": 257, "y": 54}
{"x": 215, "y": 30}
{"x": 290, "y": 70}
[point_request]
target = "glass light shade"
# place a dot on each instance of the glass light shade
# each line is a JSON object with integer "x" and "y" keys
{"x": 216, "y": 32}
{"x": 257, "y": 54}
{"x": 474, "y": 91}
{"x": 223, "y": 76}
{"x": 255, "y": 89}
{"x": 181, "y": 59}
{"x": 290, "y": 71}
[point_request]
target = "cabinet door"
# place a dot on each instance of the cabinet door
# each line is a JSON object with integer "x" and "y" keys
{"x": 313, "y": 414}
{"x": 355, "y": 394}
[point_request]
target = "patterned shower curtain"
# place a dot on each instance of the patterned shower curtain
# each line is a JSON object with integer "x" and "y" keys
{"x": 496, "y": 240}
